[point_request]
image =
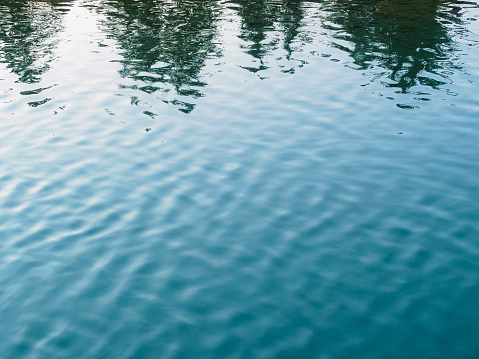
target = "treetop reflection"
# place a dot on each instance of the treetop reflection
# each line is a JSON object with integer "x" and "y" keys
{"x": 27, "y": 36}
{"x": 409, "y": 39}
{"x": 165, "y": 44}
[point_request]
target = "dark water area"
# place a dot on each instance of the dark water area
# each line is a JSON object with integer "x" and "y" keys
{"x": 239, "y": 179}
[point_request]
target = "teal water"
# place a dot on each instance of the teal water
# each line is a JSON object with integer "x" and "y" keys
{"x": 239, "y": 179}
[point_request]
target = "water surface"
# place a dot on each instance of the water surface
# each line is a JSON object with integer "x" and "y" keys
{"x": 239, "y": 179}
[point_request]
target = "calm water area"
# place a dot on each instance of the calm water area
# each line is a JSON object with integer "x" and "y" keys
{"x": 244, "y": 179}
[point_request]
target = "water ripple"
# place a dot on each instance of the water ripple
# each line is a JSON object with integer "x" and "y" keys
{"x": 203, "y": 181}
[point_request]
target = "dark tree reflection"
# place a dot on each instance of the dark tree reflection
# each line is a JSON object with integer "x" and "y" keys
{"x": 267, "y": 26}
{"x": 165, "y": 44}
{"x": 413, "y": 41}
{"x": 27, "y": 36}
{"x": 409, "y": 39}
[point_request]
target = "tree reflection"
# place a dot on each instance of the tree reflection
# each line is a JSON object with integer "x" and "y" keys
{"x": 410, "y": 39}
{"x": 165, "y": 44}
{"x": 267, "y": 26}
{"x": 27, "y": 36}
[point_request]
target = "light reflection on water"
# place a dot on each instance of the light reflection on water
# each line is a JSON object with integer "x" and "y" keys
{"x": 238, "y": 179}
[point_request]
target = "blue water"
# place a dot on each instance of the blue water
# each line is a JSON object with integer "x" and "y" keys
{"x": 239, "y": 179}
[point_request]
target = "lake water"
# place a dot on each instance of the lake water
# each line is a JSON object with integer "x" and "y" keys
{"x": 239, "y": 179}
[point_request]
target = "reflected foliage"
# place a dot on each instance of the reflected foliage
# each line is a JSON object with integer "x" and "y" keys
{"x": 164, "y": 45}
{"x": 27, "y": 36}
{"x": 410, "y": 39}
{"x": 269, "y": 25}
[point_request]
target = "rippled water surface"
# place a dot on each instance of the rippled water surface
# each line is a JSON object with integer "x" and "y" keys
{"x": 239, "y": 179}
